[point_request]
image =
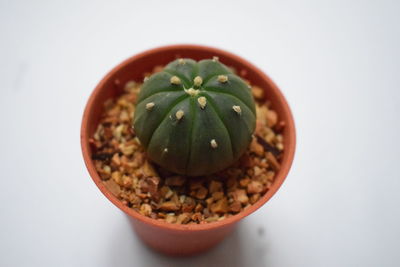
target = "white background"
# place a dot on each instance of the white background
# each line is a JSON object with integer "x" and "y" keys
{"x": 337, "y": 62}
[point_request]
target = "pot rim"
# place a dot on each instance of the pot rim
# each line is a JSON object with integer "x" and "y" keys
{"x": 280, "y": 176}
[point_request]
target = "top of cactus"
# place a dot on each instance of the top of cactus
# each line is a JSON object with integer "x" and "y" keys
{"x": 195, "y": 118}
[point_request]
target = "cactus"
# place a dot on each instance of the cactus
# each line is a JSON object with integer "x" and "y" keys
{"x": 195, "y": 118}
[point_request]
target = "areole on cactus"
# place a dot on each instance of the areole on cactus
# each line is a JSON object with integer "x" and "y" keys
{"x": 195, "y": 118}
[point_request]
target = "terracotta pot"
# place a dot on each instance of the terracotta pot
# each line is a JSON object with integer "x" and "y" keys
{"x": 170, "y": 238}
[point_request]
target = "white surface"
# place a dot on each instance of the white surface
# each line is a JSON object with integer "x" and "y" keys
{"x": 337, "y": 62}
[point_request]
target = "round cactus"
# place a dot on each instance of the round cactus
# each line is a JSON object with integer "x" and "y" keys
{"x": 195, "y": 118}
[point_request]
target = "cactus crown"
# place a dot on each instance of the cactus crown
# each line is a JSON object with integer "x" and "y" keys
{"x": 195, "y": 118}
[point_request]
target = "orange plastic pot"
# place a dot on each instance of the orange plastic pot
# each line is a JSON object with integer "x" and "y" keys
{"x": 168, "y": 238}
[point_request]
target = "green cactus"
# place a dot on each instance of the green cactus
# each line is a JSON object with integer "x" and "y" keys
{"x": 195, "y": 118}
